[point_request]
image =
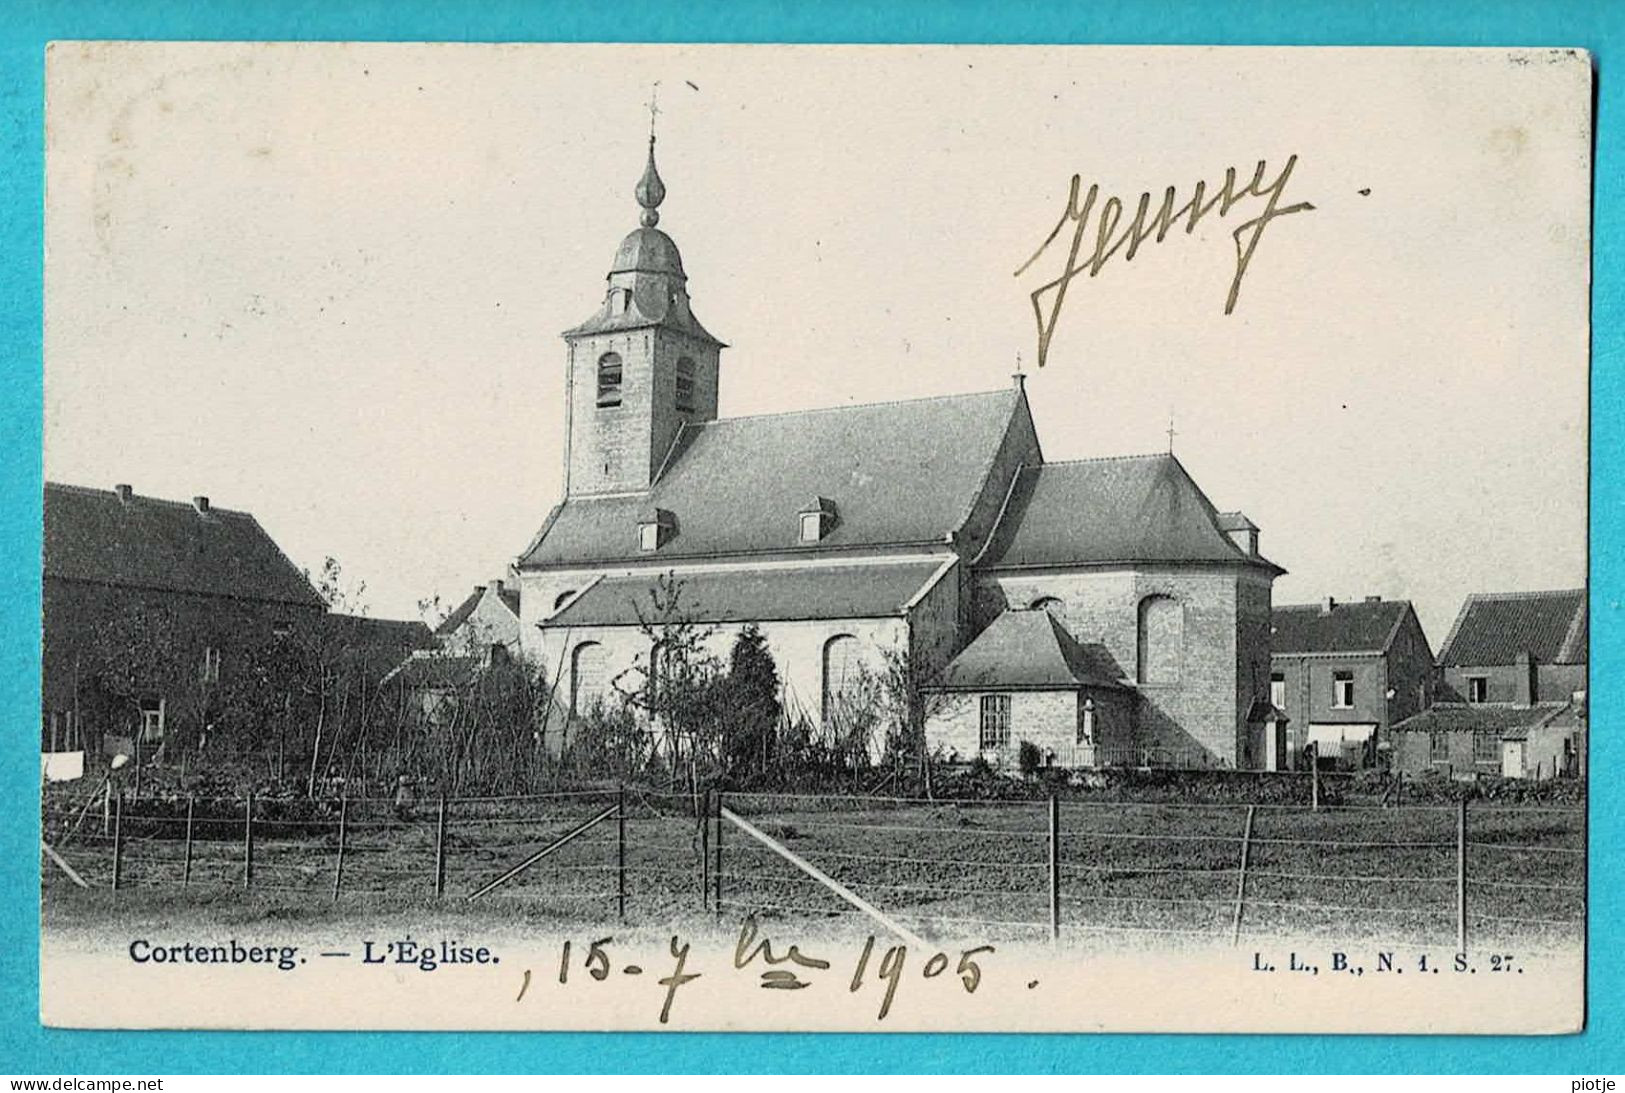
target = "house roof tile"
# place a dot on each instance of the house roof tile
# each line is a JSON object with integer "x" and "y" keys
{"x": 94, "y": 535}
{"x": 1363, "y": 627}
{"x": 1505, "y": 720}
{"x": 1495, "y": 627}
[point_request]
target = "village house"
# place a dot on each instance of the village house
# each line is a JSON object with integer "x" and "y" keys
{"x": 481, "y": 631}
{"x": 1512, "y": 678}
{"x": 488, "y": 618}
{"x": 1345, "y": 673}
{"x": 151, "y": 607}
{"x": 148, "y": 603}
{"x": 852, "y": 534}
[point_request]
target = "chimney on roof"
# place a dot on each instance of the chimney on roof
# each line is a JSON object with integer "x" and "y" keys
{"x": 124, "y": 492}
{"x": 1373, "y": 599}
{"x": 201, "y": 503}
{"x": 496, "y": 586}
{"x": 1021, "y": 380}
{"x": 1328, "y": 605}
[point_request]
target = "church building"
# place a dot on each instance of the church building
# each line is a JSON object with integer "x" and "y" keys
{"x": 1102, "y": 610}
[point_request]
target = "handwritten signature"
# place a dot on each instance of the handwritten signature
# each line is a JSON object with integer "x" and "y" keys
{"x": 1048, "y": 297}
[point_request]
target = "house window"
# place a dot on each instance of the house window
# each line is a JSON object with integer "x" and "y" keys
{"x": 685, "y": 383}
{"x": 1438, "y": 746}
{"x": 152, "y": 719}
{"x": 210, "y": 669}
{"x": 588, "y": 676}
{"x": 843, "y": 678}
{"x": 1161, "y": 639}
{"x": 1086, "y": 722}
{"x": 1278, "y": 690}
{"x": 1486, "y": 748}
{"x": 1478, "y": 688}
{"x": 995, "y": 724}
{"x": 609, "y": 379}
{"x": 1342, "y": 690}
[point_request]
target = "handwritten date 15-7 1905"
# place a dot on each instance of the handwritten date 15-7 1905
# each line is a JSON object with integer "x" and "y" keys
{"x": 1048, "y": 297}
{"x": 780, "y": 967}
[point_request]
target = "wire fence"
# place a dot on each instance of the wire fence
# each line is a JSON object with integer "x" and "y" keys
{"x": 1419, "y": 875}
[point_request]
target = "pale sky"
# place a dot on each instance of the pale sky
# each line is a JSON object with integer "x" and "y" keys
{"x": 325, "y": 283}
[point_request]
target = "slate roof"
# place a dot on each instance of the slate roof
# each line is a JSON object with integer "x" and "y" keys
{"x": 899, "y": 473}
{"x": 1362, "y": 627}
{"x": 824, "y": 592}
{"x": 1027, "y": 649}
{"x": 1143, "y": 508}
{"x": 91, "y": 535}
{"x": 1494, "y": 627}
{"x": 1506, "y": 720}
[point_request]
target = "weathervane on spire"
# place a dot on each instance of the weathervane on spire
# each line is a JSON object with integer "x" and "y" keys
{"x": 1171, "y": 433}
{"x": 654, "y": 108}
{"x": 650, "y": 190}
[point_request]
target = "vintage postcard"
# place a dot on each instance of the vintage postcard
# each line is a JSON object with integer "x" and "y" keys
{"x": 815, "y": 538}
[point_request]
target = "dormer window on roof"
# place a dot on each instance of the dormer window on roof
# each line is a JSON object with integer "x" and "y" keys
{"x": 817, "y": 519}
{"x": 655, "y": 529}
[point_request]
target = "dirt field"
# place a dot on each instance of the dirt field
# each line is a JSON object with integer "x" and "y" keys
{"x": 1156, "y": 872}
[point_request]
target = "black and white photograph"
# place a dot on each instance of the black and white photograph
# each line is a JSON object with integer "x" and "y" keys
{"x": 917, "y": 538}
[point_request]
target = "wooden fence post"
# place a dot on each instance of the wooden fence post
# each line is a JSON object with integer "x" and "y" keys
{"x": 186, "y": 868}
{"x": 338, "y": 864}
{"x": 620, "y": 851}
{"x": 716, "y": 867}
{"x": 1054, "y": 867}
{"x": 1461, "y": 877}
{"x": 118, "y": 840}
{"x": 1314, "y": 781}
{"x": 248, "y": 842}
{"x": 440, "y": 849}
{"x": 1241, "y": 876}
{"x": 704, "y": 813}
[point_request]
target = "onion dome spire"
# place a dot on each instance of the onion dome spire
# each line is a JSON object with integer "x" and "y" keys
{"x": 650, "y": 190}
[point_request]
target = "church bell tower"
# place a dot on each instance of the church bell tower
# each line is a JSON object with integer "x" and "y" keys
{"x": 641, "y": 366}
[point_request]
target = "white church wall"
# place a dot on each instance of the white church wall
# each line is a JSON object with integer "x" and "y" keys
{"x": 797, "y": 649}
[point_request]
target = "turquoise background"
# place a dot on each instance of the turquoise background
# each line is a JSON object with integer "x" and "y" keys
{"x": 26, "y": 1048}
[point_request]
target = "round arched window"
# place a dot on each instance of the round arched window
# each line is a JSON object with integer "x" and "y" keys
{"x": 589, "y": 677}
{"x": 843, "y": 675}
{"x": 1161, "y": 639}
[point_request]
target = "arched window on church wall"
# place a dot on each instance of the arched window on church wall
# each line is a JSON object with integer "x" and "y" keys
{"x": 1161, "y": 639}
{"x": 588, "y": 678}
{"x": 843, "y": 670}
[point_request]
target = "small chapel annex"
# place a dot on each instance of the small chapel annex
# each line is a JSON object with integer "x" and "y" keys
{"x": 1102, "y": 609}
